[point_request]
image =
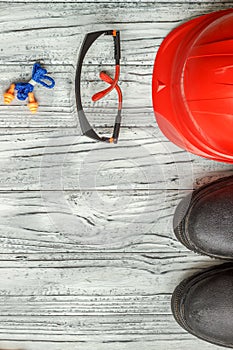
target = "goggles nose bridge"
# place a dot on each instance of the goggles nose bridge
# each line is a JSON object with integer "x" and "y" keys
{"x": 105, "y": 92}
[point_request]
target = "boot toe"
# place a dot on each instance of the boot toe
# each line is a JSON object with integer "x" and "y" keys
{"x": 207, "y": 225}
{"x": 206, "y": 307}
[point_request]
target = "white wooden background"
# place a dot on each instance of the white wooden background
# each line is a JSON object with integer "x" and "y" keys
{"x": 88, "y": 256}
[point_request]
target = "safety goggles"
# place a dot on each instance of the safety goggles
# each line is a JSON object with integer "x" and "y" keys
{"x": 86, "y": 128}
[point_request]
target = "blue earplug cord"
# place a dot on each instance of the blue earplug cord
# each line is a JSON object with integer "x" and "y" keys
{"x": 39, "y": 76}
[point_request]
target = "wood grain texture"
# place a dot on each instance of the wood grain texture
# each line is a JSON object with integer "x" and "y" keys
{"x": 37, "y": 159}
{"x": 88, "y": 257}
{"x": 85, "y": 221}
{"x": 68, "y": 221}
{"x": 53, "y": 33}
{"x": 168, "y": 344}
{"x": 106, "y": 297}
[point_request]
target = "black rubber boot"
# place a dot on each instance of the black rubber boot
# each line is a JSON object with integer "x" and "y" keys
{"x": 203, "y": 305}
{"x": 203, "y": 221}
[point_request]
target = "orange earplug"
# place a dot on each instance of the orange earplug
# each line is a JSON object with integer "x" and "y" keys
{"x": 9, "y": 95}
{"x": 33, "y": 104}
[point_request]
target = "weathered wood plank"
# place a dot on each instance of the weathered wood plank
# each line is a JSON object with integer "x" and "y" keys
{"x": 63, "y": 160}
{"x": 53, "y": 33}
{"x": 54, "y": 300}
{"x": 127, "y": 2}
{"x": 121, "y": 274}
{"x": 88, "y": 305}
{"x": 65, "y": 299}
{"x": 168, "y": 344}
{"x": 104, "y": 329}
{"x": 68, "y": 222}
{"x": 51, "y": 221}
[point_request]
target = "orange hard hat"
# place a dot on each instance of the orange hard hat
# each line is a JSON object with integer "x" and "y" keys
{"x": 192, "y": 86}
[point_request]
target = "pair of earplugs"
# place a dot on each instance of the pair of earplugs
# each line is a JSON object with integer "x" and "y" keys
{"x": 25, "y": 90}
{"x": 9, "y": 96}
